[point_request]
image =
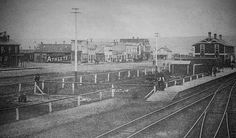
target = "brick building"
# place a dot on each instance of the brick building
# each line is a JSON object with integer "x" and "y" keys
{"x": 9, "y": 51}
{"x": 214, "y": 47}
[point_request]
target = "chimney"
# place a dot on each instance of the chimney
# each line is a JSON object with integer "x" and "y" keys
{"x": 8, "y": 37}
{"x": 220, "y": 36}
{"x": 215, "y": 36}
{"x": 209, "y": 34}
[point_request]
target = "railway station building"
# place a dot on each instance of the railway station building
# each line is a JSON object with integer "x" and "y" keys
{"x": 215, "y": 47}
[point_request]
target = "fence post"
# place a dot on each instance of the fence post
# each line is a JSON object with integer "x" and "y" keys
{"x": 78, "y": 100}
{"x": 81, "y": 80}
{"x": 108, "y": 77}
{"x": 129, "y": 74}
{"x": 17, "y": 114}
{"x": 175, "y": 82}
{"x": 73, "y": 88}
{"x": 145, "y": 71}
{"x": 100, "y": 95}
{"x": 190, "y": 78}
{"x": 166, "y": 84}
{"x": 43, "y": 85}
{"x": 95, "y": 78}
{"x": 119, "y": 75}
{"x": 197, "y": 76}
{"x": 35, "y": 87}
{"x": 63, "y": 83}
{"x": 19, "y": 87}
{"x": 155, "y": 88}
{"x": 183, "y": 80}
{"x": 202, "y": 75}
{"x": 112, "y": 91}
{"x": 50, "y": 107}
{"x": 137, "y": 73}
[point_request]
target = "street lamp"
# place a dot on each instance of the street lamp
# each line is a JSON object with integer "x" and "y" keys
{"x": 76, "y": 11}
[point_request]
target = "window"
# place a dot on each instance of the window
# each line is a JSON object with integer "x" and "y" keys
{"x": 2, "y": 49}
{"x": 202, "y": 50}
{"x": 216, "y": 50}
{"x": 9, "y": 49}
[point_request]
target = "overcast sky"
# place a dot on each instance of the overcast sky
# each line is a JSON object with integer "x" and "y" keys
{"x": 51, "y": 19}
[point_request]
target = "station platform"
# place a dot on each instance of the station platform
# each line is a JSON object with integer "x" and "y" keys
{"x": 171, "y": 92}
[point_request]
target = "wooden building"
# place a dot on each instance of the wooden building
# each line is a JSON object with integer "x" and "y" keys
{"x": 53, "y": 53}
{"x": 9, "y": 51}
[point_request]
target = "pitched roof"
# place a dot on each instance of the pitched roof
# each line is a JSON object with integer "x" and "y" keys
{"x": 165, "y": 48}
{"x": 212, "y": 40}
{"x": 133, "y": 40}
{"x": 51, "y": 48}
{"x": 27, "y": 50}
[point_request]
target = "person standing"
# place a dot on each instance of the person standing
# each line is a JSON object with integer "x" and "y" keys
{"x": 36, "y": 79}
{"x": 214, "y": 70}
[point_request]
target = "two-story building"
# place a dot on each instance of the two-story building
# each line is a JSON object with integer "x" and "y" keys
{"x": 136, "y": 48}
{"x": 9, "y": 51}
{"x": 214, "y": 47}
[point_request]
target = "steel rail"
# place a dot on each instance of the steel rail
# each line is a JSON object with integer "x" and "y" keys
{"x": 203, "y": 113}
{"x": 203, "y": 120}
{"x": 227, "y": 124}
{"x": 110, "y": 131}
{"x": 200, "y": 136}
{"x": 179, "y": 110}
{"x": 137, "y": 132}
{"x": 226, "y": 107}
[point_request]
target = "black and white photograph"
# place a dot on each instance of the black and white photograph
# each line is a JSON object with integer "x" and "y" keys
{"x": 117, "y": 69}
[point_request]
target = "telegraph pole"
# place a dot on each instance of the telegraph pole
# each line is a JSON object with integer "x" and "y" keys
{"x": 76, "y": 12}
{"x": 156, "y": 35}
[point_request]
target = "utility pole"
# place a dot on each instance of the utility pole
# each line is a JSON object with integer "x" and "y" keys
{"x": 156, "y": 35}
{"x": 76, "y": 12}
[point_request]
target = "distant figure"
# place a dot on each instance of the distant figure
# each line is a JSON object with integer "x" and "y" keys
{"x": 22, "y": 98}
{"x": 161, "y": 81}
{"x": 37, "y": 78}
{"x": 214, "y": 70}
{"x": 232, "y": 64}
{"x": 96, "y": 61}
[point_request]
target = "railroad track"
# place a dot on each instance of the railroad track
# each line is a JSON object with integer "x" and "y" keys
{"x": 141, "y": 126}
{"x": 210, "y": 121}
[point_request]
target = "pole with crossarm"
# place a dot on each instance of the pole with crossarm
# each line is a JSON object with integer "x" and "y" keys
{"x": 156, "y": 35}
{"x": 76, "y": 12}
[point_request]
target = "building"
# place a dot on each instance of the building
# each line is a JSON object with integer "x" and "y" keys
{"x": 119, "y": 53}
{"x": 108, "y": 53}
{"x": 163, "y": 53}
{"x": 27, "y": 55}
{"x": 214, "y": 47}
{"x": 9, "y": 51}
{"x": 53, "y": 53}
{"x": 136, "y": 49}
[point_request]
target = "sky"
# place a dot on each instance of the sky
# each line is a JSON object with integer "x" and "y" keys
{"x": 114, "y": 19}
